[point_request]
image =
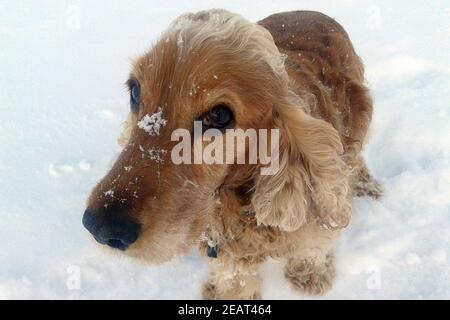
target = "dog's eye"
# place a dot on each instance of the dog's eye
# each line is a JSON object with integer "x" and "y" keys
{"x": 135, "y": 96}
{"x": 219, "y": 117}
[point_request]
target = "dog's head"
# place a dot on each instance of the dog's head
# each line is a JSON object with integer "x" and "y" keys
{"x": 217, "y": 68}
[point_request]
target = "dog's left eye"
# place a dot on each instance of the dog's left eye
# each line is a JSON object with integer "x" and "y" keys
{"x": 219, "y": 117}
{"x": 135, "y": 96}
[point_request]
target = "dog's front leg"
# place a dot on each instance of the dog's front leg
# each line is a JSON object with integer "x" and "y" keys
{"x": 310, "y": 268}
{"x": 231, "y": 279}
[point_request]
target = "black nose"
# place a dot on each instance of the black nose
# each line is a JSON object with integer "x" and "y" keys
{"x": 110, "y": 230}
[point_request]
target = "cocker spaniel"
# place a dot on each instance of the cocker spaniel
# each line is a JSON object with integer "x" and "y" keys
{"x": 296, "y": 72}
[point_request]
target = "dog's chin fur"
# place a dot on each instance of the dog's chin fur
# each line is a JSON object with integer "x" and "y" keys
{"x": 294, "y": 71}
{"x": 150, "y": 253}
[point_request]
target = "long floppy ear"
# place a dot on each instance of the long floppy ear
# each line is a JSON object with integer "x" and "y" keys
{"x": 311, "y": 182}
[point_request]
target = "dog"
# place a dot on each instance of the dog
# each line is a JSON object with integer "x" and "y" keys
{"x": 293, "y": 71}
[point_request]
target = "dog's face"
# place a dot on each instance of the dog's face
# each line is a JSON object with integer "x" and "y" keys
{"x": 216, "y": 68}
{"x": 147, "y": 205}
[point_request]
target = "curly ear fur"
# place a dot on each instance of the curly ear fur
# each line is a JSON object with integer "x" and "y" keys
{"x": 312, "y": 180}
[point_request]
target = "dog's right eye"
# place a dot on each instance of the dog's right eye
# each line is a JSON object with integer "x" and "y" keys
{"x": 220, "y": 117}
{"x": 135, "y": 96}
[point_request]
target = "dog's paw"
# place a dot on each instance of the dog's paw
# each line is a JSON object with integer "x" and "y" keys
{"x": 368, "y": 188}
{"x": 309, "y": 277}
{"x": 312, "y": 283}
{"x": 210, "y": 292}
{"x": 365, "y": 185}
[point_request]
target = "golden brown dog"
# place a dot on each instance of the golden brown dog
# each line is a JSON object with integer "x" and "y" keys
{"x": 294, "y": 71}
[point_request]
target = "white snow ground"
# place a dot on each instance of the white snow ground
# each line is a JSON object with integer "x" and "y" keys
{"x": 62, "y": 99}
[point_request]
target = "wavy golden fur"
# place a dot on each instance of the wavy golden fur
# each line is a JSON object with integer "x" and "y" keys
{"x": 295, "y": 71}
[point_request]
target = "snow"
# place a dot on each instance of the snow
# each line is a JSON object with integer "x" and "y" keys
{"x": 109, "y": 193}
{"x": 157, "y": 154}
{"x": 152, "y": 124}
{"x": 62, "y": 101}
